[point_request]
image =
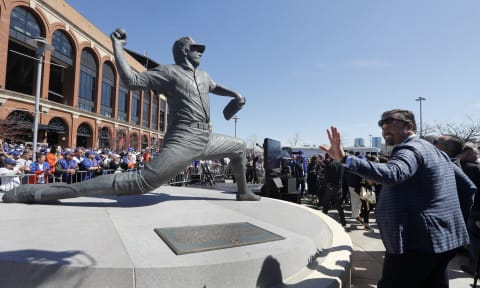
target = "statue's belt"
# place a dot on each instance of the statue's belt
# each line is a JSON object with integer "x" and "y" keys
{"x": 201, "y": 125}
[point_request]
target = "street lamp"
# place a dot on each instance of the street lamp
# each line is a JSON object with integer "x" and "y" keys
{"x": 42, "y": 45}
{"x": 236, "y": 119}
{"x": 420, "y": 99}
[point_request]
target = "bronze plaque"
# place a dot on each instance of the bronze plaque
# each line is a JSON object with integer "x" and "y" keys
{"x": 191, "y": 239}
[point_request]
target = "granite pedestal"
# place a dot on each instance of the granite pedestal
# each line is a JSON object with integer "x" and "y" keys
{"x": 111, "y": 242}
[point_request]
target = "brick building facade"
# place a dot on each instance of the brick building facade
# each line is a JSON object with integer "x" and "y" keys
{"x": 82, "y": 99}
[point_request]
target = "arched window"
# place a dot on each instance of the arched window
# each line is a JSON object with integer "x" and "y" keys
{"x": 57, "y": 129}
{"x": 122, "y": 103}
{"x": 134, "y": 141}
{"x": 63, "y": 47}
{"x": 84, "y": 131}
{"x": 144, "y": 141}
{"x": 146, "y": 109}
{"x": 155, "y": 112}
{"x": 84, "y": 136}
{"x": 57, "y": 124}
{"x": 20, "y": 74}
{"x": 104, "y": 139}
{"x": 61, "y": 69}
{"x": 108, "y": 83}
{"x": 17, "y": 127}
{"x": 88, "y": 81}
{"x": 23, "y": 24}
{"x": 163, "y": 108}
{"x": 136, "y": 107}
{"x": 121, "y": 140}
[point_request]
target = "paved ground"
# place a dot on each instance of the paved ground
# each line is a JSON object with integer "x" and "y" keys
{"x": 368, "y": 251}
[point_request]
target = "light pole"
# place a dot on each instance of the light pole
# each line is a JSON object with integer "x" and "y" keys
{"x": 420, "y": 99}
{"x": 42, "y": 45}
{"x": 236, "y": 119}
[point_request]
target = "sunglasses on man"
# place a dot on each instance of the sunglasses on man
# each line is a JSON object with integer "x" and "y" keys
{"x": 389, "y": 121}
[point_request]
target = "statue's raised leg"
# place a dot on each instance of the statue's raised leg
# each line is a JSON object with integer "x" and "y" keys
{"x": 222, "y": 146}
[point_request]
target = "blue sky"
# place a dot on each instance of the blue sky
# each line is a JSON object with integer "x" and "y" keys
{"x": 304, "y": 65}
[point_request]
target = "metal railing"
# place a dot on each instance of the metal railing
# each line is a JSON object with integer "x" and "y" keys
{"x": 189, "y": 175}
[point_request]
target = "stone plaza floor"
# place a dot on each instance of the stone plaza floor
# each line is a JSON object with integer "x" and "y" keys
{"x": 368, "y": 252}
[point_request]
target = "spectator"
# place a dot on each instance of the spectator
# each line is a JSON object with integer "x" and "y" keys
{"x": 299, "y": 168}
{"x": 66, "y": 168}
{"x": 313, "y": 179}
{"x": 114, "y": 163}
{"x": 453, "y": 146}
{"x": 15, "y": 155}
{"x": 25, "y": 160}
{"x": 8, "y": 175}
{"x": 52, "y": 158}
{"x": 418, "y": 213}
{"x": 41, "y": 169}
{"x": 79, "y": 155}
{"x": 354, "y": 186}
{"x": 131, "y": 160}
{"x": 450, "y": 144}
{"x": 468, "y": 161}
{"x": 333, "y": 188}
{"x": 89, "y": 165}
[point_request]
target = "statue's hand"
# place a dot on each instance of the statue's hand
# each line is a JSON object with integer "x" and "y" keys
{"x": 120, "y": 36}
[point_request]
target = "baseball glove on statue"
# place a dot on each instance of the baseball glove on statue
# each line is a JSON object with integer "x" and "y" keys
{"x": 233, "y": 107}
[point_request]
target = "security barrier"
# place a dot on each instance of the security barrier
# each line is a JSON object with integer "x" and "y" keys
{"x": 188, "y": 175}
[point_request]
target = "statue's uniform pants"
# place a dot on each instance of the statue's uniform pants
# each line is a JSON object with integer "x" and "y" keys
{"x": 182, "y": 145}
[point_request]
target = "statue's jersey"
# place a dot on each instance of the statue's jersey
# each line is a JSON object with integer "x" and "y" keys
{"x": 186, "y": 90}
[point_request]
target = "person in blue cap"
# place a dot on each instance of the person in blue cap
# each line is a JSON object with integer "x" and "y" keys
{"x": 66, "y": 167}
{"x": 89, "y": 165}
{"x": 9, "y": 175}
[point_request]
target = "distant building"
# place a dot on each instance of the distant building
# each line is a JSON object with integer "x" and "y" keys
{"x": 377, "y": 142}
{"x": 359, "y": 142}
{"x": 83, "y": 102}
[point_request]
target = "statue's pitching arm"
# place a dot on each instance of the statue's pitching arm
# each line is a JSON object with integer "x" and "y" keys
{"x": 130, "y": 78}
{"x": 234, "y": 105}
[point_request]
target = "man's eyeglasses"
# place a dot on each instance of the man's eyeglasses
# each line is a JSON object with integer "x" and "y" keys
{"x": 389, "y": 121}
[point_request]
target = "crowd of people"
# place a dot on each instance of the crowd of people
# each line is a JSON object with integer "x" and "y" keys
{"x": 63, "y": 164}
{"x": 329, "y": 186}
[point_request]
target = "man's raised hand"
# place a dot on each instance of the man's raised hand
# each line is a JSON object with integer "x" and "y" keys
{"x": 336, "y": 147}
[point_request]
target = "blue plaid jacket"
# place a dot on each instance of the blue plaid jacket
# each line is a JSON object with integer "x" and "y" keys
{"x": 418, "y": 207}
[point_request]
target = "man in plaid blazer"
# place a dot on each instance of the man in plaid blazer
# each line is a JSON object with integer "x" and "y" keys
{"x": 418, "y": 211}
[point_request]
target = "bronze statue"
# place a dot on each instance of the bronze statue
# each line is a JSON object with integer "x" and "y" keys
{"x": 189, "y": 136}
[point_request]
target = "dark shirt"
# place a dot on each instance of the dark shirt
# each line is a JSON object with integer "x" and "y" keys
{"x": 473, "y": 172}
{"x": 334, "y": 172}
{"x": 353, "y": 180}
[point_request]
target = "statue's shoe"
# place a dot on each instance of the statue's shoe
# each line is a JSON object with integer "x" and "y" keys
{"x": 249, "y": 196}
{"x": 21, "y": 194}
{"x": 39, "y": 193}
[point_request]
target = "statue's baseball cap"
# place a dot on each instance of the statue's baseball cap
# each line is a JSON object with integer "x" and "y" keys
{"x": 188, "y": 41}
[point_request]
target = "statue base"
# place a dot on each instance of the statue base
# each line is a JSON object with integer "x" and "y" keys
{"x": 111, "y": 242}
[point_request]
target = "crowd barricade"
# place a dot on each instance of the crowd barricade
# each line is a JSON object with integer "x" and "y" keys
{"x": 182, "y": 179}
{"x": 190, "y": 174}
{"x": 110, "y": 171}
{"x": 9, "y": 182}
